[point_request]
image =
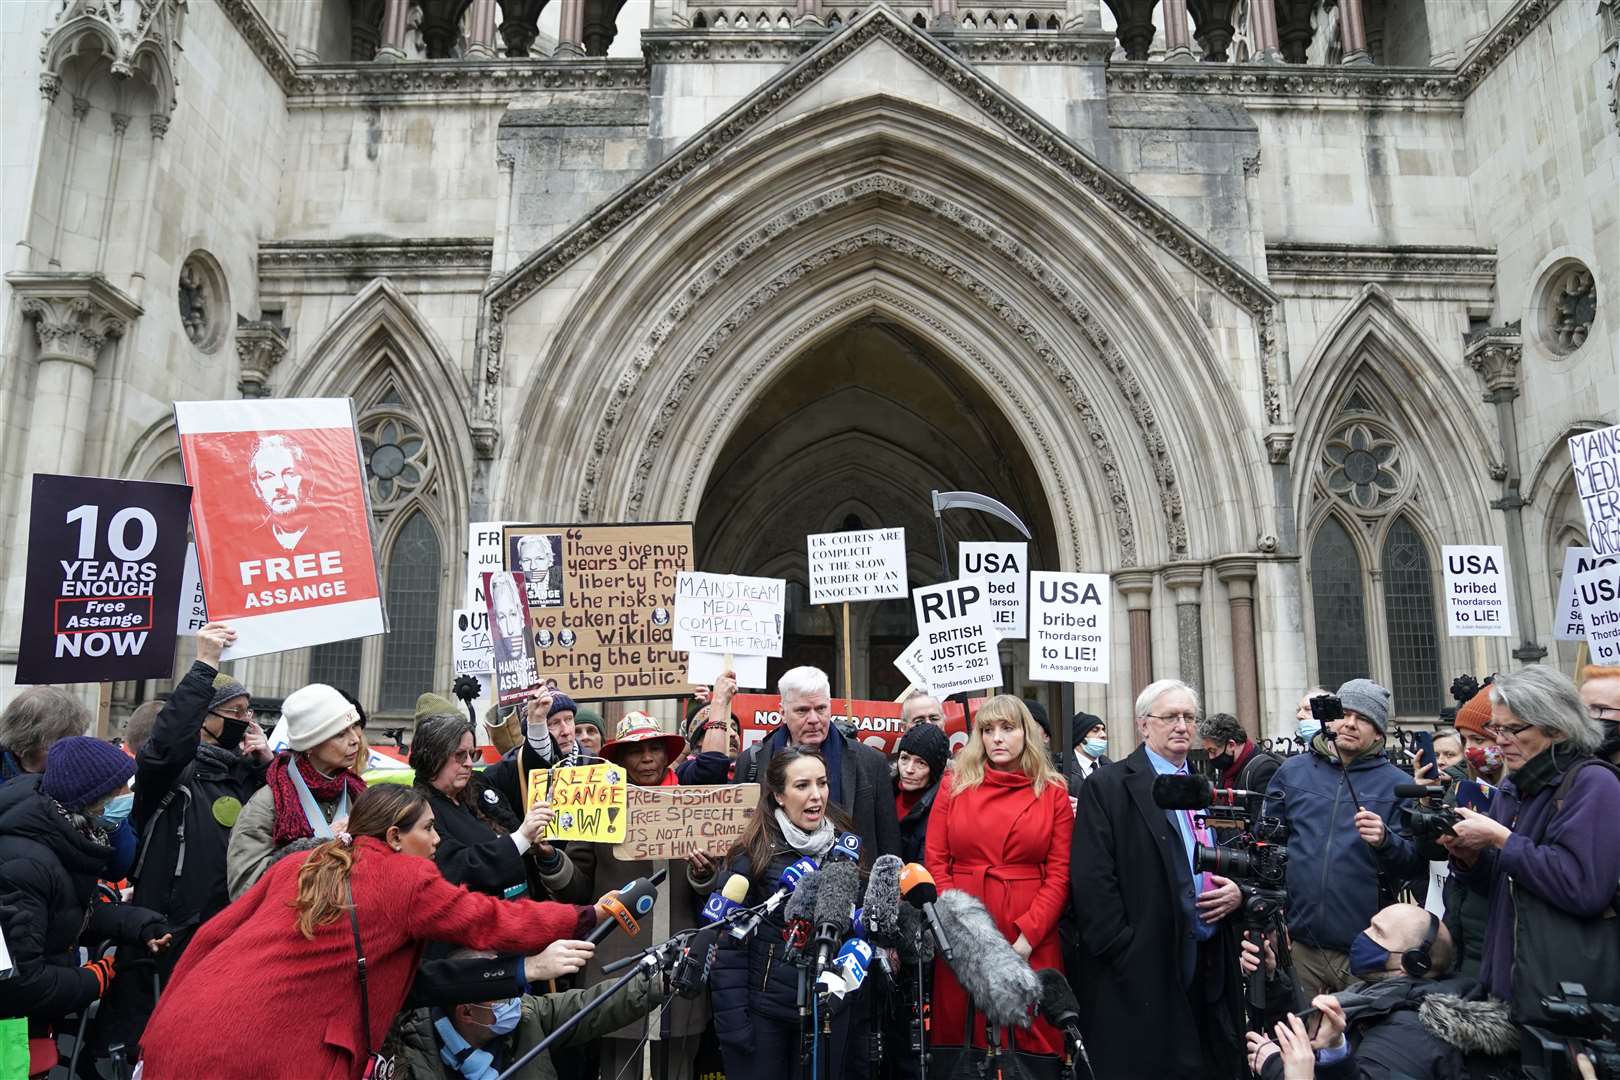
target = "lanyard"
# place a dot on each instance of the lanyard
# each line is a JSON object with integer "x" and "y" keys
{"x": 318, "y": 824}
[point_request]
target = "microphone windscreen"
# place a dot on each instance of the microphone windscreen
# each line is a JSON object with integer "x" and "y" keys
{"x": 1418, "y": 791}
{"x": 917, "y": 885}
{"x": 1058, "y": 1004}
{"x": 883, "y": 899}
{"x": 840, "y": 888}
{"x": 802, "y": 904}
{"x": 736, "y": 889}
{"x": 1174, "y": 792}
{"x": 998, "y": 981}
{"x": 911, "y": 926}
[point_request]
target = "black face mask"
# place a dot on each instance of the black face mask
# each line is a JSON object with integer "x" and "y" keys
{"x": 231, "y": 732}
{"x": 1611, "y": 738}
{"x": 1222, "y": 762}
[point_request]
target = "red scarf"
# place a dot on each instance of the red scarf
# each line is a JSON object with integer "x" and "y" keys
{"x": 1229, "y": 777}
{"x": 290, "y": 823}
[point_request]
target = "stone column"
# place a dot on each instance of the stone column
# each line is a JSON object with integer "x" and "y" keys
{"x": 571, "y": 29}
{"x": 1186, "y": 582}
{"x": 395, "y": 14}
{"x": 1177, "y": 36}
{"x": 1237, "y": 574}
{"x": 304, "y": 34}
{"x": 260, "y": 346}
{"x": 120, "y": 123}
{"x": 81, "y": 109}
{"x": 481, "y": 33}
{"x": 1494, "y": 354}
{"x": 944, "y": 15}
{"x": 1136, "y": 586}
{"x": 159, "y": 125}
{"x": 1353, "y": 28}
{"x": 1263, "y": 33}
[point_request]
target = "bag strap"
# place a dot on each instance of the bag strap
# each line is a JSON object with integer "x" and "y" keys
{"x": 360, "y": 963}
{"x": 1564, "y": 785}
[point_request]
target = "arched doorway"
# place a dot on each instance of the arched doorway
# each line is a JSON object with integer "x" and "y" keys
{"x": 853, "y": 433}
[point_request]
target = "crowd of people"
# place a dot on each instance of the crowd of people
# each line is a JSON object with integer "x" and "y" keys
{"x": 193, "y": 905}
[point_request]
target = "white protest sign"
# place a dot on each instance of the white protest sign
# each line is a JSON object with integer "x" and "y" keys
{"x": 483, "y": 556}
{"x": 1069, "y": 626}
{"x": 1598, "y": 592}
{"x": 1567, "y": 623}
{"x": 913, "y": 664}
{"x": 1476, "y": 591}
{"x": 704, "y": 667}
{"x": 474, "y": 652}
{"x": 1596, "y": 458}
{"x": 193, "y": 614}
{"x": 725, "y": 613}
{"x": 1002, "y": 567}
{"x": 869, "y": 565}
{"x": 960, "y": 652}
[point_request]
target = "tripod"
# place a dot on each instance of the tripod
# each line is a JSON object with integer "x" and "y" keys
{"x": 1261, "y": 911}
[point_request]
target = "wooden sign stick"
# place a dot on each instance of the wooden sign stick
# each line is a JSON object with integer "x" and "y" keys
{"x": 849, "y": 683}
{"x": 104, "y": 710}
{"x": 910, "y": 686}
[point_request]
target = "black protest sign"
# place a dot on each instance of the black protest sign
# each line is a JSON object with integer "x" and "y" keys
{"x": 105, "y": 562}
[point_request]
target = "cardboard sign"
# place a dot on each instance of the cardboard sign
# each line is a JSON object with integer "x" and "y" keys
{"x": 193, "y": 614}
{"x": 877, "y": 723}
{"x": 960, "y": 655}
{"x": 673, "y": 822}
{"x": 1003, "y": 570}
{"x": 1476, "y": 591}
{"x": 725, "y": 613}
{"x": 517, "y": 673}
{"x": 605, "y": 628}
{"x": 282, "y": 521}
{"x": 703, "y": 668}
{"x": 1070, "y": 620}
{"x": 1598, "y": 592}
{"x": 1595, "y": 456}
{"x": 105, "y": 559}
{"x": 484, "y": 549}
{"x": 589, "y": 799}
{"x": 1567, "y": 622}
{"x": 869, "y": 565}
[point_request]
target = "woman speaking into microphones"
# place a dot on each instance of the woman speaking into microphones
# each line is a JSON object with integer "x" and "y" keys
{"x": 755, "y": 984}
{"x": 1000, "y": 831}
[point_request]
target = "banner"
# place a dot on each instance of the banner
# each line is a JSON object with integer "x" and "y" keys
{"x": 601, "y": 611}
{"x": 1002, "y": 569}
{"x": 105, "y": 561}
{"x": 847, "y": 566}
{"x": 1567, "y": 622}
{"x": 1598, "y": 592}
{"x": 282, "y": 520}
{"x": 589, "y": 800}
{"x": 877, "y": 723}
{"x": 193, "y": 614}
{"x": 726, "y": 613}
{"x": 1476, "y": 591}
{"x": 484, "y": 554}
{"x": 673, "y": 822}
{"x": 517, "y": 673}
{"x": 1595, "y": 456}
{"x": 1069, "y": 626}
{"x": 960, "y": 654}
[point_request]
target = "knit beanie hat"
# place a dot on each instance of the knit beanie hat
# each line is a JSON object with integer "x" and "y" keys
{"x": 225, "y": 688}
{"x": 1083, "y": 723}
{"x": 929, "y": 742}
{"x": 1367, "y": 698}
{"x": 1037, "y": 712}
{"x": 562, "y": 703}
{"x": 1475, "y": 713}
{"x": 314, "y": 714}
{"x": 431, "y": 704}
{"x": 80, "y": 769}
{"x": 589, "y": 718}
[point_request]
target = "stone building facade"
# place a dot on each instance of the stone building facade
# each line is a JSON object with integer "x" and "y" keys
{"x": 1251, "y": 305}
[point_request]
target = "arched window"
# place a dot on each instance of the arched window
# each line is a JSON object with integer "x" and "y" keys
{"x": 413, "y": 608}
{"x": 1414, "y": 643}
{"x": 1338, "y": 591}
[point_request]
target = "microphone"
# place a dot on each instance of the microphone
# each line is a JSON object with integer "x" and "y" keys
{"x": 628, "y": 906}
{"x": 835, "y": 901}
{"x": 882, "y": 905}
{"x": 847, "y": 846}
{"x": 1057, "y": 1003}
{"x": 789, "y": 881}
{"x": 911, "y": 923}
{"x": 997, "y": 980}
{"x": 1175, "y": 792}
{"x": 917, "y": 886}
{"x": 727, "y": 901}
{"x": 692, "y": 970}
{"x": 1419, "y": 791}
{"x": 800, "y": 909}
{"x": 848, "y": 969}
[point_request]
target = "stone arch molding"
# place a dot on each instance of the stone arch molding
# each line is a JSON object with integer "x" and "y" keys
{"x": 135, "y": 37}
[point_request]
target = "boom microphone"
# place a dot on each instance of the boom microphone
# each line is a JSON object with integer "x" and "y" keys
{"x": 1057, "y": 1003}
{"x": 997, "y": 980}
{"x": 1419, "y": 791}
{"x": 882, "y": 904}
{"x": 835, "y": 902}
{"x": 1176, "y": 792}
{"x": 917, "y": 886}
{"x": 628, "y": 907}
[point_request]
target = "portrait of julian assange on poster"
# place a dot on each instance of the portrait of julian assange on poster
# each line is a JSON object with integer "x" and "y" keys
{"x": 282, "y": 521}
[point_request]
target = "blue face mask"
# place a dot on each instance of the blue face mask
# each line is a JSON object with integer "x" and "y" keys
{"x": 1095, "y": 748}
{"x": 116, "y": 812}
{"x": 1307, "y": 729}
{"x": 507, "y": 1014}
{"x": 1367, "y": 957}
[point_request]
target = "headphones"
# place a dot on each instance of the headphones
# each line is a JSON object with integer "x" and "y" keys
{"x": 1417, "y": 962}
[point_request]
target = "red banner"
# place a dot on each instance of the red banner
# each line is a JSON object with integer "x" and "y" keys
{"x": 877, "y": 723}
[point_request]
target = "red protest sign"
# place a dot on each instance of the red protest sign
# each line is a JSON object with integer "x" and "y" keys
{"x": 877, "y": 723}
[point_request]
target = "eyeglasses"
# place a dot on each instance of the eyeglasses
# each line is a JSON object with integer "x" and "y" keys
{"x": 464, "y": 757}
{"x": 243, "y": 713}
{"x": 1603, "y": 712}
{"x": 1498, "y": 731}
{"x": 1180, "y": 719}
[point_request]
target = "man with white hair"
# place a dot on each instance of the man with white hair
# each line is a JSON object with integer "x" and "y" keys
{"x": 857, "y": 774}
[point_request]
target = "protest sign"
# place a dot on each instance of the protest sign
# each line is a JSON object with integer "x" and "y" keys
{"x": 877, "y": 723}
{"x": 725, "y": 613}
{"x": 484, "y": 554}
{"x": 603, "y": 627}
{"x": 511, "y": 634}
{"x": 913, "y": 664}
{"x": 193, "y": 614}
{"x": 1476, "y": 591}
{"x": 1567, "y": 623}
{"x": 1069, "y": 626}
{"x": 105, "y": 560}
{"x": 702, "y": 668}
{"x": 673, "y": 822}
{"x": 474, "y": 652}
{"x": 1002, "y": 567}
{"x": 282, "y": 521}
{"x": 953, "y": 618}
{"x": 848, "y": 566}
{"x": 1595, "y": 456}
{"x": 1598, "y": 592}
{"x": 589, "y": 800}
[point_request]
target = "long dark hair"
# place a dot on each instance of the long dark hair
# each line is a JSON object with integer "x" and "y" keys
{"x": 763, "y": 837}
{"x": 321, "y": 880}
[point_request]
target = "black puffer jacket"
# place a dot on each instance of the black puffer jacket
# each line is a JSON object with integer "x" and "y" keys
{"x": 48, "y": 871}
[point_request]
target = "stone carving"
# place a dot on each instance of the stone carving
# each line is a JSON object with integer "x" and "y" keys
{"x": 260, "y": 345}
{"x": 71, "y": 328}
{"x": 1362, "y": 465}
{"x": 196, "y": 300}
{"x": 1494, "y": 354}
{"x": 1571, "y": 308}
{"x": 1500, "y": 42}
{"x": 1251, "y": 165}
{"x": 137, "y": 36}
{"x": 447, "y": 257}
{"x": 262, "y": 38}
{"x": 1279, "y": 445}
{"x": 1368, "y": 86}
{"x": 1360, "y": 264}
{"x": 431, "y": 81}
{"x": 398, "y": 459}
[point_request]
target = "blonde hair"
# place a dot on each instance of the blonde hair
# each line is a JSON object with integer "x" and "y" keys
{"x": 970, "y": 764}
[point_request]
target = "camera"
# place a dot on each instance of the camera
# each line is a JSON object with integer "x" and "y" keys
{"x": 1256, "y": 855}
{"x": 1584, "y": 1027}
{"x": 1430, "y": 823}
{"x": 1326, "y": 707}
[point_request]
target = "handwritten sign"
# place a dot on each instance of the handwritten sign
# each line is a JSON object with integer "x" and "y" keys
{"x": 1595, "y": 456}
{"x": 673, "y": 822}
{"x": 725, "y": 613}
{"x": 869, "y": 565}
{"x": 590, "y": 801}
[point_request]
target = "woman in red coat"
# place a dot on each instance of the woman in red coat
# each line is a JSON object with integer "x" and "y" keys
{"x": 1000, "y": 830}
{"x": 287, "y": 946}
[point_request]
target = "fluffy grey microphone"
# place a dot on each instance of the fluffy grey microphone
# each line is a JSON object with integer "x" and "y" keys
{"x": 835, "y": 902}
{"x": 997, "y": 980}
{"x": 802, "y": 904}
{"x": 881, "y": 908}
{"x": 911, "y": 923}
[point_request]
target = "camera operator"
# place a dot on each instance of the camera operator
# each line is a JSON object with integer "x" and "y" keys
{"x": 1237, "y": 761}
{"x": 1347, "y": 855}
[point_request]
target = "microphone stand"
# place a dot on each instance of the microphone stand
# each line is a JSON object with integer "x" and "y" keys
{"x": 920, "y": 1014}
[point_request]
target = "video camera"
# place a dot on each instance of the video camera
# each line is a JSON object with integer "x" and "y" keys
{"x": 1585, "y": 1027}
{"x": 1256, "y": 854}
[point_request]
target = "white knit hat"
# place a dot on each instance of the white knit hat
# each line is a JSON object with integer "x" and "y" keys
{"x": 314, "y": 714}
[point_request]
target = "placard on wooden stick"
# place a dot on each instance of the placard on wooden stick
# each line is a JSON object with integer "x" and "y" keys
{"x": 673, "y": 822}
{"x": 590, "y": 801}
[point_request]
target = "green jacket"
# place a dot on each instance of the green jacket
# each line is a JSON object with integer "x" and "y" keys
{"x": 413, "y": 1044}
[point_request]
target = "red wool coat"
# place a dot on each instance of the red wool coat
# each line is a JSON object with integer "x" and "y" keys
{"x": 253, "y": 997}
{"x": 1009, "y": 847}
